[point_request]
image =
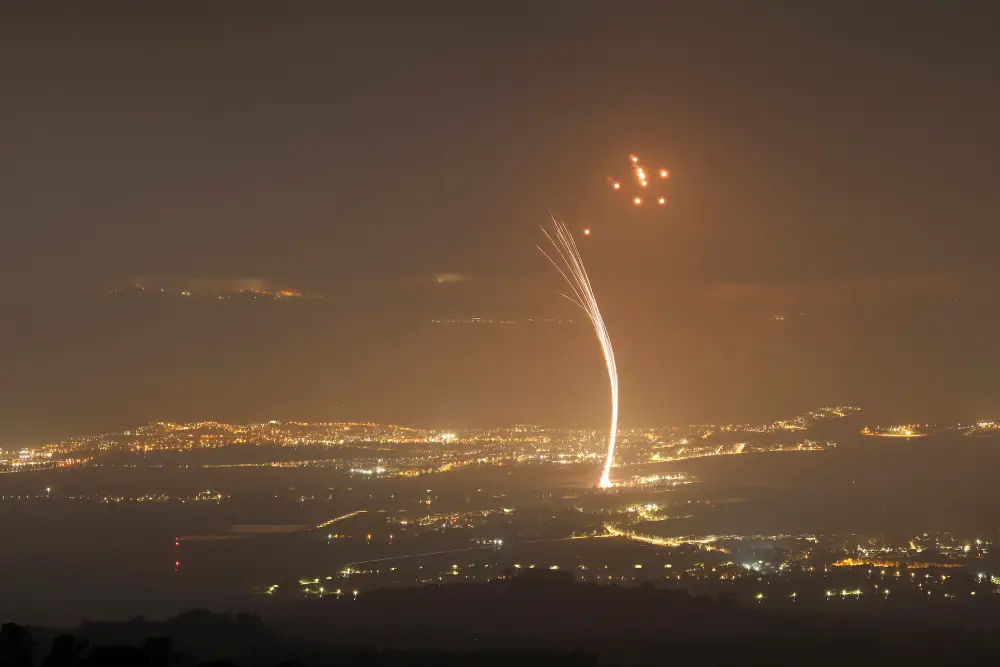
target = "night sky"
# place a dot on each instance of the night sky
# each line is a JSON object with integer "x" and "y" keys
{"x": 832, "y": 163}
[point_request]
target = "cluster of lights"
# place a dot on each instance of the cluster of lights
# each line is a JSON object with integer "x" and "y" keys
{"x": 898, "y": 431}
{"x": 641, "y": 179}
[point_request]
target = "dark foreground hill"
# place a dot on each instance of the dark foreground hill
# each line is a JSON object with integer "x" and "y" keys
{"x": 524, "y": 622}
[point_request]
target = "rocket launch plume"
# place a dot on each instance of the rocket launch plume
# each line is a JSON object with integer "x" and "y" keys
{"x": 572, "y": 270}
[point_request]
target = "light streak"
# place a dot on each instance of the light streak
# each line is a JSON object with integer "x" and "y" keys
{"x": 575, "y": 275}
{"x": 340, "y": 518}
{"x": 704, "y": 541}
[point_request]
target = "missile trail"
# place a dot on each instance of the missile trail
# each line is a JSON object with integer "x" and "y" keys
{"x": 575, "y": 274}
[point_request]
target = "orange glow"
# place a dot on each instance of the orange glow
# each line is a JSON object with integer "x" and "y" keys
{"x": 664, "y": 173}
{"x": 663, "y": 200}
{"x": 616, "y": 186}
{"x": 586, "y": 232}
{"x": 871, "y": 562}
{"x": 644, "y": 184}
{"x": 634, "y": 158}
{"x": 637, "y": 201}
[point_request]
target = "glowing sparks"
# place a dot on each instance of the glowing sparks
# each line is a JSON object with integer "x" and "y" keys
{"x": 640, "y": 173}
{"x": 575, "y": 275}
{"x": 643, "y": 182}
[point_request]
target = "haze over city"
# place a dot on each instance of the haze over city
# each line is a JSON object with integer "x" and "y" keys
{"x": 326, "y": 150}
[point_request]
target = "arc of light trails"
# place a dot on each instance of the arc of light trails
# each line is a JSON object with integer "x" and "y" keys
{"x": 575, "y": 275}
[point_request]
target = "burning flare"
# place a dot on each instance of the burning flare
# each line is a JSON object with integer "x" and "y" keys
{"x": 575, "y": 274}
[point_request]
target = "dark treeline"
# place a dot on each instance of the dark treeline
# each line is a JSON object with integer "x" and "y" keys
{"x": 548, "y": 621}
{"x": 19, "y": 648}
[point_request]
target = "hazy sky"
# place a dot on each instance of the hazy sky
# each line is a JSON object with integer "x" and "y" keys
{"x": 832, "y": 159}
